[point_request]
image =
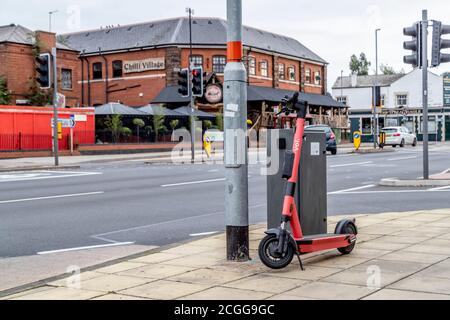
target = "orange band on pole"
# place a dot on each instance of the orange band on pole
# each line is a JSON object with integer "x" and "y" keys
{"x": 234, "y": 51}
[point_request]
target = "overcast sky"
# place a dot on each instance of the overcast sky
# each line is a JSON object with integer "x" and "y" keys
{"x": 333, "y": 29}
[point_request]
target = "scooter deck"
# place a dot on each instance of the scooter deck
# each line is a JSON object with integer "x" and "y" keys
{"x": 322, "y": 242}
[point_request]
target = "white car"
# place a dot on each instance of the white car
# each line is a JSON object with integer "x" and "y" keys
{"x": 399, "y": 136}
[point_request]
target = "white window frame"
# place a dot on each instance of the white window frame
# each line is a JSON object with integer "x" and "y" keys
{"x": 397, "y": 95}
{"x": 264, "y": 66}
{"x": 317, "y": 82}
{"x": 343, "y": 99}
{"x": 63, "y": 86}
{"x": 291, "y": 71}
{"x": 252, "y": 66}
{"x": 282, "y": 71}
{"x": 219, "y": 58}
{"x": 196, "y": 58}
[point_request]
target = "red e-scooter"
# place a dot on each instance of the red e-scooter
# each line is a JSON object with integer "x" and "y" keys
{"x": 278, "y": 248}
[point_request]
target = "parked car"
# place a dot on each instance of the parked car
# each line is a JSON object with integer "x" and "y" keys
{"x": 331, "y": 138}
{"x": 399, "y": 136}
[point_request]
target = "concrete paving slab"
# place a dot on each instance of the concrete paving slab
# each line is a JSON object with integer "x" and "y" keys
{"x": 423, "y": 284}
{"x": 208, "y": 277}
{"x": 266, "y": 283}
{"x": 391, "y": 294}
{"x": 222, "y": 293}
{"x": 165, "y": 290}
{"x": 112, "y": 283}
{"x": 331, "y": 291}
{"x": 156, "y": 271}
{"x": 60, "y": 293}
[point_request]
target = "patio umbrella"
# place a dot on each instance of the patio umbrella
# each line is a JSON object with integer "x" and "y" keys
{"x": 113, "y": 108}
{"x": 155, "y": 110}
{"x": 186, "y": 111}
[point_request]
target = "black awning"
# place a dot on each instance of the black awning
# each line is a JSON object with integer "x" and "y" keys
{"x": 256, "y": 93}
{"x": 170, "y": 95}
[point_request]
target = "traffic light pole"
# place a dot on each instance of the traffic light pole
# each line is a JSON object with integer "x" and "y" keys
{"x": 236, "y": 158}
{"x": 55, "y": 107}
{"x": 192, "y": 109}
{"x": 426, "y": 163}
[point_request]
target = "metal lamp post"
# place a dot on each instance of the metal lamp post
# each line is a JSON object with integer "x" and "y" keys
{"x": 236, "y": 158}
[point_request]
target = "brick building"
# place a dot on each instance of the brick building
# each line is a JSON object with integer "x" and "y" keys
{"x": 138, "y": 64}
{"x": 18, "y": 47}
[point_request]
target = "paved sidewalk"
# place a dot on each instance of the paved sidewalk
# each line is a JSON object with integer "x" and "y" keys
{"x": 398, "y": 256}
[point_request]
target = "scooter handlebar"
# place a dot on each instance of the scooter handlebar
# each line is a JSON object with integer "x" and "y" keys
{"x": 294, "y": 104}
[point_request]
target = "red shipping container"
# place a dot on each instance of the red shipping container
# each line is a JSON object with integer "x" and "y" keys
{"x": 29, "y": 128}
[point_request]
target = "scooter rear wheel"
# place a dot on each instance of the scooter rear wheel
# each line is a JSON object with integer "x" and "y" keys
{"x": 268, "y": 256}
{"x": 350, "y": 229}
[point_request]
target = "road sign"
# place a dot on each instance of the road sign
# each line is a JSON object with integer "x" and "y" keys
{"x": 447, "y": 89}
{"x": 65, "y": 123}
{"x": 357, "y": 139}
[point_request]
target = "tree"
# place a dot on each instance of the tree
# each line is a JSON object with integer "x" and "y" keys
{"x": 158, "y": 125}
{"x": 114, "y": 125}
{"x": 360, "y": 65}
{"x": 4, "y": 93}
{"x": 174, "y": 124}
{"x": 219, "y": 121}
{"x": 208, "y": 124}
{"x": 388, "y": 70}
{"x": 139, "y": 123}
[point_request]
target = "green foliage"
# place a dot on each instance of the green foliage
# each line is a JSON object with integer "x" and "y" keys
{"x": 126, "y": 132}
{"x": 114, "y": 125}
{"x": 139, "y": 123}
{"x": 219, "y": 121}
{"x": 4, "y": 93}
{"x": 360, "y": 65}
{"x": 174, "y": 124}
{"x": 388, "y": 70}
{"x": 39, "y": 97}
{"x": 208, "y": 124}
{"x": 158, "y": 125}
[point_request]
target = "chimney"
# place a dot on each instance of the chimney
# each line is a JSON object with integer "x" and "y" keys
{"x": 354, "y": 78}
{"x": 47, "y": 40}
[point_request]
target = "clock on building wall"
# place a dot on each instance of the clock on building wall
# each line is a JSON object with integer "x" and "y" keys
{"x": 214, "y": 93}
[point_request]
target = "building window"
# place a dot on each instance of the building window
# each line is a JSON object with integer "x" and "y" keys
{"x": 252, "y": 66}
{"x": 219, "y": 64}
{"x": 402, "y": 100}
{"x": 317, "y": 78}
{"x": 282, "y": 71}
{"x": 383, "y": 100}
{"x": 292, "y": 75}
{"x": 117, "y": 69}
{"x": 197, "y": 61}
{"x": 366, "y": 126}
{"x": 66, "y": 79}
{"x": 264, "y": 68}
{"x": 342, "y": 99}
{"x": 432, "y": 125}
{"x": 97, "y": 71}
{"x": 308, "y": 76}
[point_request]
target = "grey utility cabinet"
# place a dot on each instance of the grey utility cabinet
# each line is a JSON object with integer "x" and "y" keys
{"x": 311, "y": 192}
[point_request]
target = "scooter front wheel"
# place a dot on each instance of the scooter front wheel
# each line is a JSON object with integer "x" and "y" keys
{"x": 268, "y": 256}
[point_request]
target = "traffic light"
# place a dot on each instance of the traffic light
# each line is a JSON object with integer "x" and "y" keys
{"x": 43, "y": 70}
{"x": 197, "y": 82}
{"x": 377, "y": 96}
{"x": 415, "y": 45}
{"x": 183, "y": 82}
{"x": 437, "y": 57}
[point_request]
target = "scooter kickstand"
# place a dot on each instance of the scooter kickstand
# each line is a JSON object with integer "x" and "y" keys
{"x": 301, "y": 262}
